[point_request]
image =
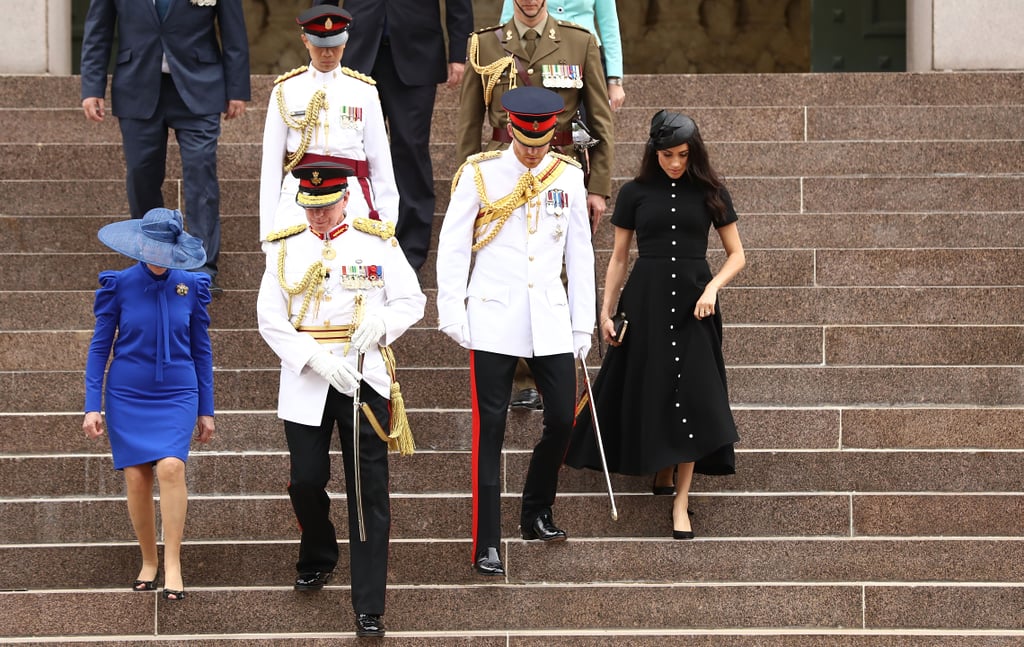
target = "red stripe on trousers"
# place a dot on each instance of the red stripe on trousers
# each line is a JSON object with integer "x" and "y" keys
{"x": 474, "y": 467}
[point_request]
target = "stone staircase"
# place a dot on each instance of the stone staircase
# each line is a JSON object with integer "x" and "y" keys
{"x": 873, "y": 344}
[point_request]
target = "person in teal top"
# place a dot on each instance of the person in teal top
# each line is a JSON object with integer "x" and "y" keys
{"x": 601, "y": 18}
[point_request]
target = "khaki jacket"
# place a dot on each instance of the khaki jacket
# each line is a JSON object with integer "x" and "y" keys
{"x": 561, "y": 43}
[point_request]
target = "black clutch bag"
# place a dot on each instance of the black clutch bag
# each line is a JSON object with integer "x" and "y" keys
{"x": 621, "y": 325}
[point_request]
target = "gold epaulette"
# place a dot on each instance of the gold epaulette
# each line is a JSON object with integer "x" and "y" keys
{"x": 483, "y": 156}
{"x": 348, "y": 71}
{"x": 288, "y": 75}
{"x": 487, "y": 29}
{"x": 383, "y": 228}
{"x": 566, "y": 23}
{"x": 473, "y": 159}
{"x": 565, "y": 158}
{"x": 286, "y": 232}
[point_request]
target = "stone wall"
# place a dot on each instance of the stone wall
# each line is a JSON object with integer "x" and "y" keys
{"x": 659, "y": 36}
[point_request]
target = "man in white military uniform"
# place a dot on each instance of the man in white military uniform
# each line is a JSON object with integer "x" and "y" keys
{"x": 522, "y": 210}
{"x": 334, "y": 289}
{"x": 325, "y": 113}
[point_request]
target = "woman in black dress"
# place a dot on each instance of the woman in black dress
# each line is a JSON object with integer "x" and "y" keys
{"x": 661, "y": 394}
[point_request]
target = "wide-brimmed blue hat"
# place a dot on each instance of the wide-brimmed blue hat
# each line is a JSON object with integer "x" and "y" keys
{"x": 159, "y": 238}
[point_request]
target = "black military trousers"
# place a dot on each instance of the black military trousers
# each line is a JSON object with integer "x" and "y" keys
{"x": 491, "y": 377}
{"x": 310, "y": 472}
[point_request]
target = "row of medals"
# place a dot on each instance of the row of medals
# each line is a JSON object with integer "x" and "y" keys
{"x": 561, "y": 76}
{"x": 556, "y": 203}
{"x": 355, "y": 276}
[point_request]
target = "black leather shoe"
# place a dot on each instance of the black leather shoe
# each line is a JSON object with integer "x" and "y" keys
{"x": 369, "y": 625}
{"x": 527, "y": 399}
{"x": 312, "y": 580}
{"x": 544, "y": 529}
{"x": 489, "y": 563}
{"x": 215, "y": 290}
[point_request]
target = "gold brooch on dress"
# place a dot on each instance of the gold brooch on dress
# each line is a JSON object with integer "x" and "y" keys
{"x": 182, "y": 289}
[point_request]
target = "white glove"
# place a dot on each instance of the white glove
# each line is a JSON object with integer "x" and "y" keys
{"x": 369, "y": 332}
{"x": 343, "y": 377}
{"x": 581, "y": 343}
{"x": 459, "y": 334}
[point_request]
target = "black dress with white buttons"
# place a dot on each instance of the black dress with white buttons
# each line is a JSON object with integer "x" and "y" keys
{"x": 661, "y": 396}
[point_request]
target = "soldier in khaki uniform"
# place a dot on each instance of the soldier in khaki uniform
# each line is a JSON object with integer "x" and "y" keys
{"x": 534, "y": 49}
{"x": 565, "y": 58}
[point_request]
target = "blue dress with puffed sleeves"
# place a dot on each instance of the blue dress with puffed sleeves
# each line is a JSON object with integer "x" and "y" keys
{"x": 161, "y": 375}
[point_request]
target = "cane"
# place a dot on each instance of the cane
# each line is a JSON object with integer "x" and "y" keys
{"x": 597, "y": 436}
{"x": 355, "y": 454}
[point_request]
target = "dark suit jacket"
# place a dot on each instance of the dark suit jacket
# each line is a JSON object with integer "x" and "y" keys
{"x": 205, "y": 75}
{"x": 414, "y": 29}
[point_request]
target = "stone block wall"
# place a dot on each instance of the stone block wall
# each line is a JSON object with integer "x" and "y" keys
{"x": 659, "y": 36}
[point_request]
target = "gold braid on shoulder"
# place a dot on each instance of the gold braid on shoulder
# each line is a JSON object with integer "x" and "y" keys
{"x": 309, "y": 283}
{"x": 286, "y": 233}
{"x": 385, "y": 229}
{"x": 348, "y": 71}
{"x": 495, "y": 214}
{"x": 490, "y": 73}
{"x": 306, "y": 125}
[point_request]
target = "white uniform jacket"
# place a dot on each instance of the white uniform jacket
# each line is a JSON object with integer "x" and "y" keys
{"x": 514, "y": 302}
{"x": 351, "y": 126}
{"x": 396, "y": 297}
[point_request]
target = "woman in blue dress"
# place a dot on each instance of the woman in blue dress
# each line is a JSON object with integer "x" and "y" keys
{"x": 661, "y": 395}
{"x": 159, "y": 386}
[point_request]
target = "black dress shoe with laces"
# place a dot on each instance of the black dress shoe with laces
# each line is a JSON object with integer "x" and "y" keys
{"x": 369, "y": 625}
{"x": 544, "y": 529}
{"x": 312, "y": 580}
{"x": 489, "y": 563}
{"x": 527, "y": 399}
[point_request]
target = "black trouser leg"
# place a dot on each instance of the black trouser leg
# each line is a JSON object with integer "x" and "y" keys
{"x": 490, "y": 376}
{"x": 556, "y": 382}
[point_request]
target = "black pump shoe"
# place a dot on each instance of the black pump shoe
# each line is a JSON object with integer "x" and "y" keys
{"x": 144, "y": 585}
{"x": 664, "y": 490}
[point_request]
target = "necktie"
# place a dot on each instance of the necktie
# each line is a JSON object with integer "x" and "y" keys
{"x": 531, "y": 37}
{"x": 161, "y": 8}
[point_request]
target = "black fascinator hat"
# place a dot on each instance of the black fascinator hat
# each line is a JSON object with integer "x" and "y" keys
{"x": 670, "y": 129}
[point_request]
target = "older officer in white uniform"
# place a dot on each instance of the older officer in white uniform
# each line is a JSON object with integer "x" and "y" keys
{"x": 522, "y": 210}
{"x": 325, "y": 112}
{"x": 335, "y": 288}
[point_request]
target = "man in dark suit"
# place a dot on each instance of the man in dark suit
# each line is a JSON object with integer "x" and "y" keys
{"x": 171, "y": 72}
{"x": 400, "y": 43}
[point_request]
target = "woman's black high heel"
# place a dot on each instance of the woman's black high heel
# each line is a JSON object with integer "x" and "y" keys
{"x": 664, "y": 490}
{"x": 144, "y": 585}
{"x": 681, "y": 534}
{"x": 178, "y": 595}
